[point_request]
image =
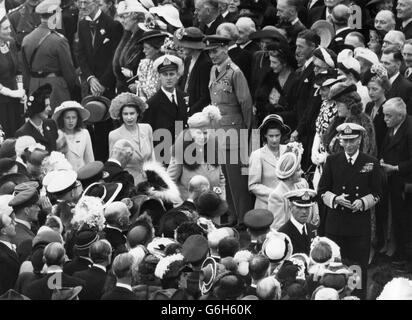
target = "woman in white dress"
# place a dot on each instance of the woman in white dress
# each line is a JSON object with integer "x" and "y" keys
{"x": 74, "y": 141}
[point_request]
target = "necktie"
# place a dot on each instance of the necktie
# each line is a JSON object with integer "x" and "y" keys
{"x": 93, "y": 28}
{"x": 408, "y": 72}
{"x": 216, "y": 73}
{"x": 173, "y": 99}
{"x": 350, "y": 161}
{"x": 304, "y": 232}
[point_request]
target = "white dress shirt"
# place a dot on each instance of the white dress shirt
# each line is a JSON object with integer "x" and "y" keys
{"x": 301, "y": 227}
{"x": 393, "y": 78}
{"x": 353, "y": 157}
{"x": 170, "y": 95}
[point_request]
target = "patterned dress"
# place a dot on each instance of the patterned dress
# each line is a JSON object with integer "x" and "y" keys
{"x": 148, "y": 83}
{"x": 327, "y": 112}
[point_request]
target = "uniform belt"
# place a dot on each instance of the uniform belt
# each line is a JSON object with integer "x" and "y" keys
{"x": 226, "y": 110}
{"x": 41, "y": 74}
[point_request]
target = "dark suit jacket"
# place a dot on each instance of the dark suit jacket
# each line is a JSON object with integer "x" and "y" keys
{"x": 252, "y": 47}
{"x": 301, "y": 243}
{"x": 378, "y": 123}
{"x": 95, "y": 279}
{"x": 315, "y": 14}
{"x": 340, "y": 177}
{"x": 304, "y": 90}
{"x": 198, "y": 83}
{"x": 243, "y": 59}
{"x": 231, "y": 17}
{"x": 97, "y": 60}
{"x": 160, "y": 104}
{"x": 76, "y": 265}
{"x": 338, "y": 42}
{"x": 40, "y": 289}
{"x": 9, "y": 268}
{"x": 402, "y": 88}
{"x": 112, "y": 172}
{"x": 119, "y": 293}
{"x": 116, "y": 239}
{"x": 407, "y": 31}
{"x": 212, "y": 29}
{"x": 49, "y": 132}
{"x": 23, "y": 241}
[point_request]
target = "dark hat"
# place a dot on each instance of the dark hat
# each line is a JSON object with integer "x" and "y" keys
{"x": 195, "y": 248}
{"x": 107, "y": 192}
{"x": 230, "y": 286}
{"x": 84, "y": 238}
{"x": 338, "y": 91}
{"x": 301, "y": 197}
{"x": 13, "y": 295}
{"x": 309, "y": 36}
{"x": 152, "y": 205}
{"x": 36, "y": 102}
{"x": 214, "y": 41}
{"x": 66, "y": 293}
{"x": 268, "y": 32}
{"x": 26, "y": 185}
{"x": 326, "y": 55}
{"x": 282, "y": 51}
{"x": 327, "y": 78}
{"x": 7, "y": 149}
{"x": 190, "y": 37}
{"x": 208, "y": 272}
{"x": 98, "y": 106}
{"x": 170, "y": 221}
{"x": 90, "y": 173}
{"x": 37, "y": 156}
{"x": 138, "y": 235}
{"x": 258, "y": 220}
{"x": 9, "y": 181}
{"x": 210, "y": 205}
{"x": 6, "y": 164}
{"x": 25, "y": 198}
{"x": 155, "y": 38}
{"x": 349, "y": 130}
{"x": 274, "y": 118}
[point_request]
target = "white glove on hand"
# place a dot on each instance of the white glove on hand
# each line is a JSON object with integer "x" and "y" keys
{"x": 127, "y": 72}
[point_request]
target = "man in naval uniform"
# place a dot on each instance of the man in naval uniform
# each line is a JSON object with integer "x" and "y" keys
{"x": 229, "y": 91}
{"x": 350, "y": 187}
{"x": 46, "y": 56}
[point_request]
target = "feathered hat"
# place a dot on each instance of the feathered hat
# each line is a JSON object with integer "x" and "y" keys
{"x": 209, "y": 116}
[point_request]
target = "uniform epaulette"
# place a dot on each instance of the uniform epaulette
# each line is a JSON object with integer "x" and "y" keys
{"x": 11, "y": 11}
{"x": 58, "y": 33}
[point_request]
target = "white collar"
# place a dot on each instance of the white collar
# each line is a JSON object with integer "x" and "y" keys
{"x": 9, "y": 245}
{"x": 23, "y": 222}
{"x": 243, "y": 45}
{"x": 405, "y": 23}
{"x": 169, "y": 94}
{"x": 115, "y": 228}
{"x": 115, "y": 161}
{"x": 297, "y": 224}
{"x": 233, "y": 46}
{"x": 340, "y": 30}
{"x": 86, "y": 258}
{"x": 210, "y": 23}
{"x": 40, "y": 127}
{"x": 295, "y": 21}
{"x": 54, "y": 269}
{"x": 20, "y": 160}
{"x": 224, "y": 14}
{"x": 96, "y": 265}
{"x": 393, "y": 78}
{"x": 307, "y": 62}
{"x": 123, "y": 285}
{"x": 354, "y": 157}
{"x": 190, "y": 200}
{"x": 395, "y": 129}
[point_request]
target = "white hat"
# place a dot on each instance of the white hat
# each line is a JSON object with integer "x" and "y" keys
{"x": 397, "y": 289}
{"x": 205, "y": 118}
{"x": 301, "y": 197}
{"x": 71, "y": 105}
{"x": 157, "y": 246}
{"x": 57, "y": 181}
{"x": 366, "y": 54}
{"x": 277, "y": 246}
{"x": 169, "y": 13}
{"x": 287, "y": 165}
{"x": 128, "y": 6}
{"x": 349, "y": 130}
{"x": 347, "y": 62}
{"x": 22, "y": 143}
{"x": 322, "y": 293}
{"x": 168, "y": 60}
{"x": 147, "y": 3}
{"x": 4, "y": 204}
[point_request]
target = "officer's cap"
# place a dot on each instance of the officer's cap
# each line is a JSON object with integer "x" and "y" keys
{"x": 350, "y": 130}
{"x": 213, "y": 42}
{"x": 168, "y": 62}
{"x": 59, "y": 181}
{"x": 47, "y": 6}
{"x": 301, "y": 197}
{"x": 25, "y": 198}
{"x": 258, "y": 220}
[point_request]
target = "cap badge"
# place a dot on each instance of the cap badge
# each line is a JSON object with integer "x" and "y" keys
{"x": 166, "y": 62}
{"x": 306, "y": 196}
{"x": 208, "y": 42}
{"x": 180, "y": 33}
{"x": 348, "y": 130}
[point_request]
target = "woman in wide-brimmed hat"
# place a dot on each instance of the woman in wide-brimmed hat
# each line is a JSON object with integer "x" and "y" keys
{"x": 263, "y": 161}
{"x": 74, "y": 141}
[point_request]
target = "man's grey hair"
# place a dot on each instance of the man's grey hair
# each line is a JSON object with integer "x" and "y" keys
{"x": 246, "y": 22}
{"x": 229, "y": 28}
{"x": 396, "y": 104}
{"x": 399, "y": 37}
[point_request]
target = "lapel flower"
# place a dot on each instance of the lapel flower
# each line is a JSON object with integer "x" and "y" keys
{"x": 368, "y": 167}
{"x": 102, "y": 32}
{"x": 47, "y": 128}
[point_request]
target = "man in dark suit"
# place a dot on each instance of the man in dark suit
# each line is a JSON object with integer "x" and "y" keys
{"x": 122, "y": 269}
{"x": 195, "y": 79}
{"x": 117, "y": 221}
{"x": 350, "y": 186}
{"x": 95, "y": 276}
{"x": 56, "y": 278}
{"x": 300, "y": 232}
{"x": 400, "y": 87}
{"x": 259, "y": 267}
{"x": 99, "y": 36}
{"x": 83, "y": 239}
{"x": 404, "y": 14}
{"x": 208, "y": 15}
{"x": 340, "y": 18}
{"x": 26, "y": 209}
{"x": 396, "y": 160}
{"x": 38, "y": 126}
{"x": 407, "y": 57}
{"x": 168, "y": 101}
{"x": 246, "y": 26}
{"x": 9, "y": 262}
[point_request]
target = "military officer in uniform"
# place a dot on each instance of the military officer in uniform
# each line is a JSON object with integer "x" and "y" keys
{"x": 257, "y": 222}
{"x": 46, "y": 56}
{"x": 350, "y": 186}
{"x": 229, "y": 91}
{"x": 24, "y": 20}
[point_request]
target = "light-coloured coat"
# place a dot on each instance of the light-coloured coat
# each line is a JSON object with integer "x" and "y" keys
{"x": 262, "y": 178}
{"x": 142, "y": 145}
{"x": 79, "y": 148}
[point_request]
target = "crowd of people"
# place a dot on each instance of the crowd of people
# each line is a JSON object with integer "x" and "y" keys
{"x": 206, "y": 149}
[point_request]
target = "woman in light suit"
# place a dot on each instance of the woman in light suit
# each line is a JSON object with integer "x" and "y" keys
{"x": 263, "y": 161}
{"x": 128, "y": 109}
{"x": 73, "y": 140}
{"x": 205, "y": 156}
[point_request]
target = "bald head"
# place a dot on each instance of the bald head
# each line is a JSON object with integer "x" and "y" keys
{"x": 385, "y": 20}
{"x": 228, "y": 30}
{"x": 340, "y": 15}
{"x": 268, "y": 289}
{"x": 101, "y": 251}
{"x": 258, "y": 266}
{"x": 54, "y": 254}
{"x": 117, "y": 214}
{"x": 122, "y": 265}
{"x": 197, "y": 185}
